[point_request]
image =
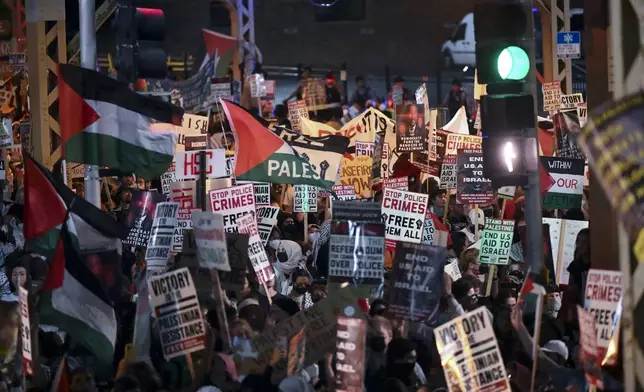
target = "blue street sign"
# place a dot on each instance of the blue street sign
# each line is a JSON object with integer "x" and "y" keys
{"x": 569, "y": 45}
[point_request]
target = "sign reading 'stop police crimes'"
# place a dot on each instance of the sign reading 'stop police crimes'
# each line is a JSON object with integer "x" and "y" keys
{"x": 404, "y": 215}
{"x": 174, "y": 299}
{"x": 470, "y": 354}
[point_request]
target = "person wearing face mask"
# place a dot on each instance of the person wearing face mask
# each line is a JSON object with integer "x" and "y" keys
{"x": 290, "y": 230}
{"x": 300, "y": 293}
{"x": 289, "y": 259}
{"x": 400, "y": 369}
{"x": 379, "y": 334}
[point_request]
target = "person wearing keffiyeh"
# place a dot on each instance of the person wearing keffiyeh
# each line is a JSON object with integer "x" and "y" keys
{"x": 301, "y": 285}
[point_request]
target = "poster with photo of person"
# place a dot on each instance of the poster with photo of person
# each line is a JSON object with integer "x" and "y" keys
{"x": 411, "y": 128}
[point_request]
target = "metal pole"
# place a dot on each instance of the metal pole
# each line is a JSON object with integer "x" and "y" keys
{"x": 534, "y": 243}
{"x": 87, "y": 9}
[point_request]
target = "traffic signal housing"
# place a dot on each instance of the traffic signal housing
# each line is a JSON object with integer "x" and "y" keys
{"x": 508, "y": 154}
{"x": 140, "y": 33}
{"x": 504, "y": 43}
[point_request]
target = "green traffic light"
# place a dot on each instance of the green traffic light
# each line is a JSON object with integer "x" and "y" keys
{"x": 513, "y": 63}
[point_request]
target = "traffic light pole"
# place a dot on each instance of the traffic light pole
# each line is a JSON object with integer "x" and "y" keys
{"x": 87, "y": 9}
{"x": 532, "y": 207}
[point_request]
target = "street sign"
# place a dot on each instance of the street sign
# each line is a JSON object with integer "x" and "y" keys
{"x": 569, "y": 45}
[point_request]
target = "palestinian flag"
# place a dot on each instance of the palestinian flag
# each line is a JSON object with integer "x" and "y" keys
{"x": 75, "y": 301}
{"x": 222, "y": 47}
{"x": 48, "y": 203}
{"x": 561, "y": 181}
{"x": 262, "y": 156}
{"x": 104, "y": 123}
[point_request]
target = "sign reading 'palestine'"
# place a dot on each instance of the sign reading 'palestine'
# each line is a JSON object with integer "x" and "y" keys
{"x": 562, "y": 182}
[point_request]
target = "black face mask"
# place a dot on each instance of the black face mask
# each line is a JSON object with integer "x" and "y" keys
{"x": 301, "y": 288}
{"x": 377, "y": 344}
{"x": 484, "y": 269}
{"x": 403, "y": 371}
{"x": 282, "y": 257}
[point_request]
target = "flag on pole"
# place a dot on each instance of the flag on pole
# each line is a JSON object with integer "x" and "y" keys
{"x": 104, "y": 123}
{"x": 222, "y": 47}
{"x": 75, "y": 301}
{"x": 48, "y": 203}
{"x": 262, "y": 156}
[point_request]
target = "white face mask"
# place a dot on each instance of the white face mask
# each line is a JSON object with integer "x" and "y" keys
{"x": 314, "y": 237}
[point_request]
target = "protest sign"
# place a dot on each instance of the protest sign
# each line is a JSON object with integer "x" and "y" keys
{"x": 567, "y": 127}
{"x": 305, "y": 198}
{"x": 357, "y": 172}
{"x": 296, "y": 353}
{"x": 267, "y": 101}
{"x": 411, "y": 128}
{"x": 403, "y": 214}
{"x": 344, "y": 192}
{"x": 168, "y": 178}
{"x": 571, "y": 101}
{"x": 470, "y": 354}
{"x": 220, "y": 91}
{"x": 237, "y": 249}
{"x": 506, "y": 192}
{"x": 194, "y": 122}
{"x": 266, "y": 220}
{"x": 256, "y": 253}
{"x": 25, "y": 332}
{"x": 496, "y": 241}
{"x": 431, "y": 234}
{"x": 369, "y": 212}
{"x": 356, "y": 253}
{"x": 314, "y": 92}
{"x": 562, "y": 181}
{"x": 456, "y": 142}
{"x": 582, "y": 114}
{"x": 187, "y": 164}
{"x": 161, "y": 236}
{"x": 448, "y": 173}
{"x": 257, "y": 86}
{"x": 210, "y": 237}
{"x": 184, "y": 193}
{"x": 551, "y": 96}
{"x": 589, "y": 353}
{"x": 320, "y": 326}
{"x": 379, "y": 163}
{"x": 602, "y": 294}
{"x": 417, "y": 281}
{"x": 612, "y": 142}
{"x": 6, "y": 133}
{"x": 232, "y": 203}
{"x": 452, "y": 269}
{"x": 262, "y": 192}
{"x": 563, "y": 236}
{"x": 194, "y": 91}
{"x": 174, "y": 299}
{"x": 350, "y": 363}
{"x": 472, "y": 187}
{"x": 367, "y": 149}
{"x": 398, "y": 183}
{"x": 296, "y": 111}
{"x": 422, "y": 98}
{"x": 141, "y": 216}
{"x": 195, "y": 143}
